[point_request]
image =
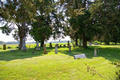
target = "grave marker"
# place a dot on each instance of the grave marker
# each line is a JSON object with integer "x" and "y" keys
{"x": 50, "y": 45}
{"x": 73, "y": 45}
{"x": 33, "y": 53}
{"x": 23, "y": 45}
{"x": 4, "y": 46}
{"x": 44, "y": 47}
{"x": 37, "y": 47}
{"x": 79, "y": 56}
{"x": 60, "y": 45}
{"x": 95, "y": 53}
{"x": 64, "y": 45}
{"x": 89, "y": 44}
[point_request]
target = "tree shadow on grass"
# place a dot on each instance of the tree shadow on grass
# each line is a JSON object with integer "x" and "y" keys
{"x": 112, "y": 54}
{"x": 109, "y": 53}
{"x": 8, "y": 54}
{"x": 87, "y": 51}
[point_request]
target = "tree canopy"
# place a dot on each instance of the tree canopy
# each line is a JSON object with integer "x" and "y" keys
{"x": 40, "y": 30}
{"x": 80, "y": 19}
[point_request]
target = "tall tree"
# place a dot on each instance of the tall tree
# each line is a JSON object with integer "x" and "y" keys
{"x": 40, "y": 30}
{"x": 83, "y": 26}
{"x": 75, "y": 8}
{"x": 17, "y": 12}
{"x": 105, "y": 12}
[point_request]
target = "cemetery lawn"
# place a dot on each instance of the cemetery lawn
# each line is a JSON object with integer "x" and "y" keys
{"x": 19, "y": 65}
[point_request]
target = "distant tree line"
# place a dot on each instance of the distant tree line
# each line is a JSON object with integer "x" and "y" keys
{"x": 2, "y": 42}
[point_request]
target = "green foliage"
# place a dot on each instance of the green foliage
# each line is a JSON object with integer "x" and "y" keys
{"x": 97, "y": 42}
{"x": 5, "y": 29}
{"x": 105, "y": 12}
{"x": 82, "y": 26}
{"x": 19, "y": 13}
{"x": 40, "y": 30}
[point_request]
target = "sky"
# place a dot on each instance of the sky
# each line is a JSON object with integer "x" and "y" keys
{"x": 6, "y": 38}
{"x": 9, "y": 38}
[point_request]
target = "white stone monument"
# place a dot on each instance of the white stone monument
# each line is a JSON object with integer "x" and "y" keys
{"x": 95, "y": 53}
{"x": 79, "y": 56}
{"x": 23, "y": 45}
{"x": 56, "y": 47}
{"x": 37, "y": 47}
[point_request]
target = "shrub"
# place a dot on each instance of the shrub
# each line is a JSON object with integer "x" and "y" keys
{"x": 97, "y": 42}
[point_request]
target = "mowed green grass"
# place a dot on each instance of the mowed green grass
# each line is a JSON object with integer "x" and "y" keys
{"x": 19, "y": 65}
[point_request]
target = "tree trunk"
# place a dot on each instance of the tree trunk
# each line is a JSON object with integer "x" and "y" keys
{"x": 76, "y": 41}
{"x": 20, "y": 44}
{"x": 115, "y": 43}
{"x": 107, "y": 43}
{"x": 84, "y": 41}
{"x": 80, "y": 43}
{"x": 42, "y": 43}
{"x": 84, "y": 6}
{"x": 21, "y": 34}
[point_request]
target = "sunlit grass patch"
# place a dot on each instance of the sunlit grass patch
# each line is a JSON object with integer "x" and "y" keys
{"x": 61, "y": 66}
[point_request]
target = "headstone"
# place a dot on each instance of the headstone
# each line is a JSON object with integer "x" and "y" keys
{"x": 12, "y": 50}
{"x": 89, "y": 44}
{"x": 4, "y": 46}
{"x": 98, "y": 50}
{"x": 96, "y": 43}
{"x": 70, "y": 49}
{"x": 73, "y": 45}
{"x": 60, "y": 45}
{"x": 50, "y": 45}
{"x": 64, "y": 45}
{"x": 79, "y": 56}
{"x": 44, "y": 48}
{"x": 56, "y": 47}
{"x": 37, "y": 47}
{"x": 8, "y": 47}
{"x": 23, "y": 45}
{"x": 33, "y": 53}
{"x": 17, "y": 47}
{"x": 95, "y": 53}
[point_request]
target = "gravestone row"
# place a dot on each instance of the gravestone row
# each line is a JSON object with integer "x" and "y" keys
{"x": 56, "y": 49}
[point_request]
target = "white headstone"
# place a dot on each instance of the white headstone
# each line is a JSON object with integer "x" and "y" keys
{"x": 89, "y": 44}
{"x": 98, "y": 50}
{"x": 95, "y": 52}
{"x": 23, "y": 45}
{"x": 37, "y": 47}
{"x": 56, "y": 46}
{"x": 79, "y": 56}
